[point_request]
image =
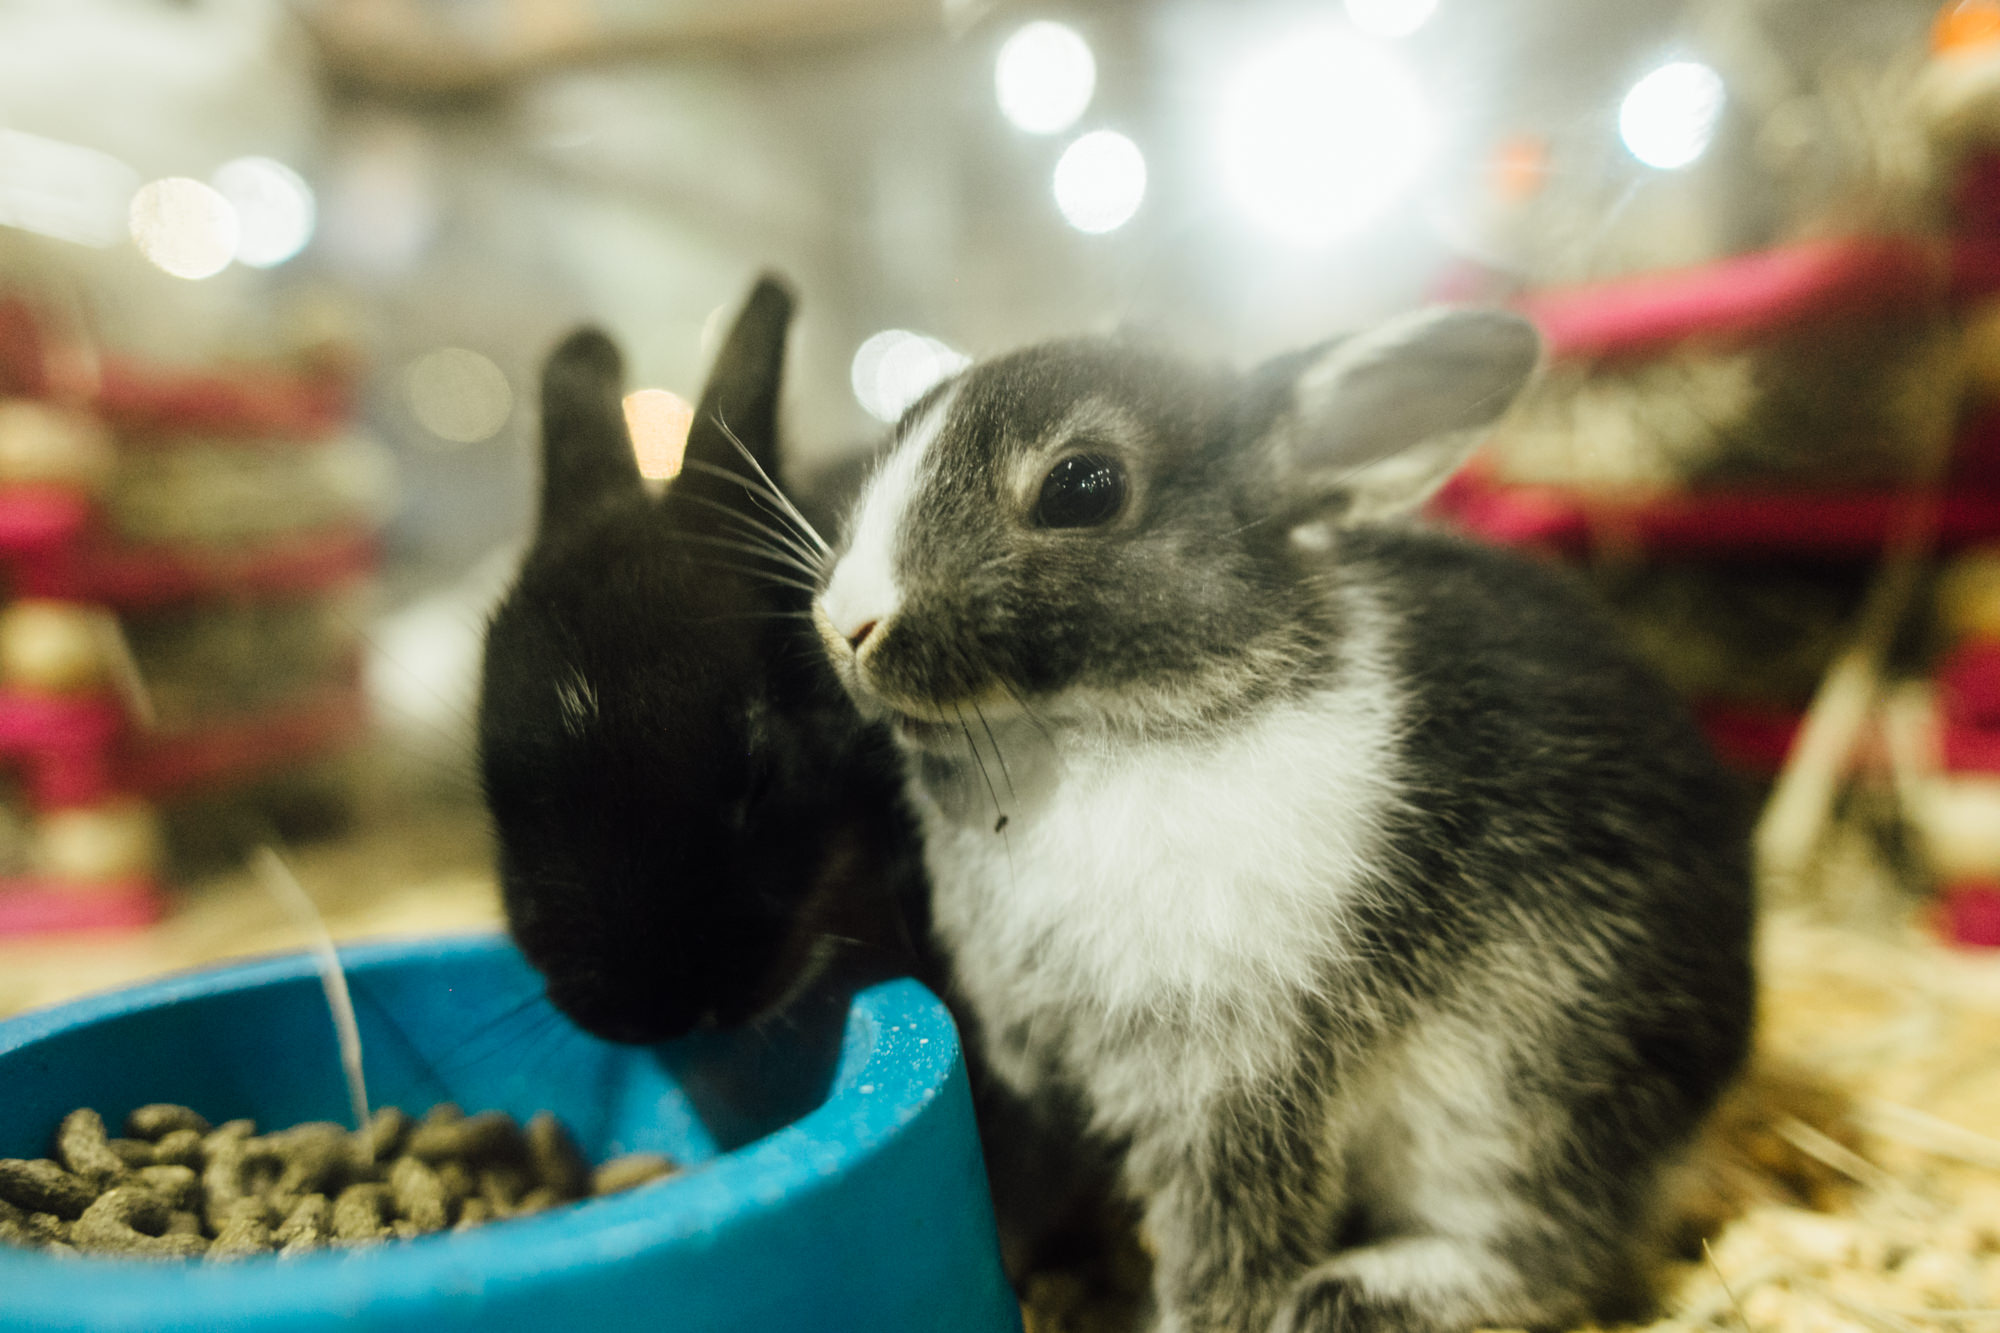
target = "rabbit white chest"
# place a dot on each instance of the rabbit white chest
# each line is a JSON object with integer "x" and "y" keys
{"x": 1148, "y": 913}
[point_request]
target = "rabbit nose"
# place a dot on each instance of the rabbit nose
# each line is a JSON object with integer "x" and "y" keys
{"x": 860, "y": 636}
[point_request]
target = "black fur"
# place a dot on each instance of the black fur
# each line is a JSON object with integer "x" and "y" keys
{"x": 690, "y": 817}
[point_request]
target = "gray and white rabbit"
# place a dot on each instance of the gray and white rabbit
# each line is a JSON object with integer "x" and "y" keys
{"x": 1388, "y": 921}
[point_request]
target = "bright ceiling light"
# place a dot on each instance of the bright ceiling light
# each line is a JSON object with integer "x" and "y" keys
{"x": 1669, "y": 118}
{"x": 1390, "y": 18}
{"x": 274, "y": 205}
{"x": 1100, "y": 181}
{"x": 896, "y": 367}
{"x": 185, "y": 227}
{"x": 1044, "y": 77}
{"x": 1320, "y": 134}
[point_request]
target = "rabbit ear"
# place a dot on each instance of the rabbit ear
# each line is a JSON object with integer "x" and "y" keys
{"x": 1378, "y": 421}
{"x": 586, "y": 452}
{"x": 741, "y": 398}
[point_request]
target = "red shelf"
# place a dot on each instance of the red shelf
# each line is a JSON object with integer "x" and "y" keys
{"x": 139, "y": 400}
{"x": 80, "y": 751}
{"x": 1969, "y": 915}
{"x": 265, "y": 404}
{"x": 92, "y": 569}
{"x": 1758, "y": 297}
{"x": 1741, "y": 300}
{"x": 45, "y": 722}
{"x": 54, "y": 543}
{"x": 36, "y": 907}
{"x": 62, "y": 746}
{"x": 1748, "y": 737}
{"x": 1969, "y": 708}
{"x": 162, "y": 767}
{"x": 48, "y": 536}
{"x": 1842, "y": 524}
{"x": 34, "y": 519}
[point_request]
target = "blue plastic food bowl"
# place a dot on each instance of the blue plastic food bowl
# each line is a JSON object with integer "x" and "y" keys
{"x": 835, "y": 1179}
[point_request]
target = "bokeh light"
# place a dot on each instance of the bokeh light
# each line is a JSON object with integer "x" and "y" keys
{"x": 1669, "y": 118}
{"x": 1044, "y": 77}
{"x": 273, "y": 204}
{"x": 658, "y": 421}
{"x": 1320, "y": 134}
{"x": 65, "y": 191}
{"x": 896, "y": 367}
{"x": 1390, "y": 18}
{"x": 458, "y": 395}
{"x": 1518, "y": 168}
{"x": 1100, "y": 181}
{"x": 185, "y": 227}
{"x": 1970, "y": 27}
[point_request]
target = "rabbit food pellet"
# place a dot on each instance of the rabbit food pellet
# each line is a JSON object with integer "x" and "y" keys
{"x": 178, "y": 1187}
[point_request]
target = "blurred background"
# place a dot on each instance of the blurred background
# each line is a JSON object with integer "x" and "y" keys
{"x": 276, "y": 277}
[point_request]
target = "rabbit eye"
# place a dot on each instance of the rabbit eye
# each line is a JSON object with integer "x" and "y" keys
{"x": 1082, "y": 491}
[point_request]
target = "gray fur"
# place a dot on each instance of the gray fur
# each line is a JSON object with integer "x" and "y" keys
{"x": 1388, "y": 924}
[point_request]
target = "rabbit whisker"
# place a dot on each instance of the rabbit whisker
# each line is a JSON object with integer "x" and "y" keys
{"x": 1000, "y": 816}
{"x": 757, "y": 615}
{"x": 980, "y": 760}
{"x": 759, "y": 552}
{"x": 771, "y": 487}
{"x": 752, "y": 572}
{"x": 804, "y": 554}
{"x": 1036, "y": 718}
{"x": 994, "y": 741}
{"x": 784, "y": 538}
{"x": 786, "y": 513}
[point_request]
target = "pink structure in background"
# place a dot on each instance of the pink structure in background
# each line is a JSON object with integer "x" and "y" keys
{"x": 1752, "y": 300}
{"x": 71, "y": 751}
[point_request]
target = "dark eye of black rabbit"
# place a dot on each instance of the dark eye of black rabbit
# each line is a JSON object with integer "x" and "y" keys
{"x": 1082, "y": 491}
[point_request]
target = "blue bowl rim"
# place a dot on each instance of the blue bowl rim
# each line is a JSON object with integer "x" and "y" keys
{"x": 879, "y": 1087}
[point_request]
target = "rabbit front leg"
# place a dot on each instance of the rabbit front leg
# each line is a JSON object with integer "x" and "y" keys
{"x": 1241, "y": 1211}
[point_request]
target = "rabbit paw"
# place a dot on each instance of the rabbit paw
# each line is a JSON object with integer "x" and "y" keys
{"x": 1332, "y": 1303}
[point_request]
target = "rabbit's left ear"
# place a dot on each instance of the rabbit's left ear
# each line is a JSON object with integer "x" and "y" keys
{"x": 1377, "y": 422}
{"x": 586, "y": 452}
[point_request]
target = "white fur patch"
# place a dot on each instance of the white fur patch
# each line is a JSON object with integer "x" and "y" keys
{"x": 1168, "y": 901}
{"x": 863, "y": 586}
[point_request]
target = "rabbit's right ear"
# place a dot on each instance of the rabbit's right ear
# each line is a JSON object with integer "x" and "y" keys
{"x": 739, "y": 405}
{"x": 586, "y": 451}
{"x": 1374, "y": 423}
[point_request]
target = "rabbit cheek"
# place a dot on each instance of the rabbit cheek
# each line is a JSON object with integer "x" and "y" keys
{"x": 923, "y": 662}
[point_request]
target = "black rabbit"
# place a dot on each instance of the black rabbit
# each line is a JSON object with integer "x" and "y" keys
{"x": 692, "y": 821}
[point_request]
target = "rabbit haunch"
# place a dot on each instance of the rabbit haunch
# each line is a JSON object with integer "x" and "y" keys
{"x": 1382, "y": 914}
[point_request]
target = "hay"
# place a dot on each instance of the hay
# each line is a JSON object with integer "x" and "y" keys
{"x": 1908, "y": 1032}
